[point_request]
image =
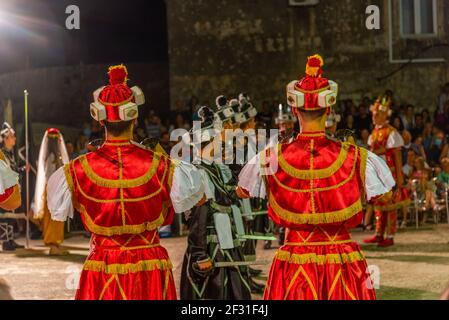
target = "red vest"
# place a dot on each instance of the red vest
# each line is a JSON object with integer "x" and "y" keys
{"x": 379, "y": 138}
{"x": 121, "y": 188}
{"x": 319, "y": 181}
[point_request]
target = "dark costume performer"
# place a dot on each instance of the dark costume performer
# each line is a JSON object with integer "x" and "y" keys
{"x": 315, "y": 187}
{"x": 212, "y": 238}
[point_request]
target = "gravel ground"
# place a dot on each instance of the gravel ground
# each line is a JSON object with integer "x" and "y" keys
{"x": 417, "y": 267}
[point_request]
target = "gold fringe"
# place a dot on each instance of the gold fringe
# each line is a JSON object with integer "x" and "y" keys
{"x": 144, "y": 265}
{"x": 155, "y": 193}
{"x": 315, "y": 218}
{"x": 351, "y": 175}
{"x": 126, "y": 229}
{"x": 2, "y": 156}
{"x": 318, "y": 173}
{"x": 130, "y": 183}
{"x": 332, "y": 258}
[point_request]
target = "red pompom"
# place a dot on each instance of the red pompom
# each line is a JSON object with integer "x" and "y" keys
{"x": 118, "y": 74}
{"x": 314, "y": 62}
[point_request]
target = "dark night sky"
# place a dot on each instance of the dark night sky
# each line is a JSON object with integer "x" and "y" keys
{"x": 33, "y": 33}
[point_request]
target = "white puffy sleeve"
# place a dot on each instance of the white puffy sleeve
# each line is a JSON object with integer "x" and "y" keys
{"x": 395, "y": 140}
{"x": 378, "y": 178}
{"x": 188, "y": 186}
{"x": 8, "y": 178}
{"x": 59, "y": 196}
{"x": 250, "y": 178}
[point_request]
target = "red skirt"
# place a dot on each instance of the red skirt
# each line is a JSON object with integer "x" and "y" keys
{"x": 127, "y": 268}
{"x": 319, "y": 264}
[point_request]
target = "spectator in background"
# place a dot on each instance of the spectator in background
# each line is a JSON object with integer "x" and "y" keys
{"x": 442, "y": 119}
{"x": 70, "y": 150}
{"x": 427, "y": 135}
{"x": 408, "y": 118}
{"x": 348, "y": 123}
{"x": 363, "y": 140}
{"x": 419, "y": 145}
{"x": 408, "y": 145}
{"x": 165, "y": 142}
{"x": 139, "y": 134}
{"x": 407, "y": 168}
{"x": 180, "y": 122}
{"x": 426, "y": 116}
{"x": 419, "y": 126}
{"x": 397, "y": 123}
{"x": 436, "y": 147}
{"x": 363, "y": 120}
{"x": 82, "y": 142}
{"x": 193, "y": 104}
{"x": 153, "y": 125}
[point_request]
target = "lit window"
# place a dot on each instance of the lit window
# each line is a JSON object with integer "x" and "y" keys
{"x": 418, "y": 18}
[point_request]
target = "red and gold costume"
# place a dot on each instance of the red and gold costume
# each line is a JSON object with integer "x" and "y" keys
{"x": 315, "y": 186}
{"x": 124, "y": 193}
{"x": 386, "y": 142}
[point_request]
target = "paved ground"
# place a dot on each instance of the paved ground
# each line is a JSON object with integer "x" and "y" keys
{"x": 416, "y": 268}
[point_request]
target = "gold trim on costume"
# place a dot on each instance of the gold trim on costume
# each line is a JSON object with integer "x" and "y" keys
{"x": 322, "y": 243}
{"x": 315, "y": 218}
{"x": 309, "y": 282}
{"x": 312, "y": 135}
{"x": 331, "y": 258}
{"x": 121, "y": 183}
{"x": 349, "y": 178}
{"x": 120, "y": 175}
{"x": 155, "y": 193}
{"x": 117, "y": 144}
{"x": 126, "y": 229}
{"x": 118, "y": 268}
{"x": 318, "y": 173}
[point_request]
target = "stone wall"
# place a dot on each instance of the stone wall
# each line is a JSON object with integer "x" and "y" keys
{"x": 258, "y": 46}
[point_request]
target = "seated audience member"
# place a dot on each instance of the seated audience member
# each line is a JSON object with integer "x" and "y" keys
{"x": 363, "y": 140}
{"x": 418, "y": 129}
{"x": 443, "y": 177}
{"x": 419, "y": 146}
{"x": 436, "y": 147}
{"x": 408, "y": 145}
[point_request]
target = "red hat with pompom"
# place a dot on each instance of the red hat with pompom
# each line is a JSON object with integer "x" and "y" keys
{"x": 117, "y": 102}
{"x": 312, "y": 92}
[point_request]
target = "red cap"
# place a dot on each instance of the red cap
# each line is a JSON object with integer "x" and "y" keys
{"x": 53, "y": 132}
{"x": 312, "y": 92}
{"x": 117, "y": 93}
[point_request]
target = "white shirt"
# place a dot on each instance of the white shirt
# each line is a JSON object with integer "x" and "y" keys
{"x": 378, "y": 178}
{"x": 8, "y": 178}
{"x": 188, "y": 188}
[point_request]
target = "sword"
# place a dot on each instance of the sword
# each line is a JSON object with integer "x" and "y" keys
{"x": 240, "y": 263}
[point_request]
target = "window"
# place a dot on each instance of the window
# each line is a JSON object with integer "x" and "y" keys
{"x": 418, "y": 18}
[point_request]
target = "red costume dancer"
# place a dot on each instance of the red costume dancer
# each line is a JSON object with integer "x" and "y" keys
{"x": 386, "y": 142}
{"x": 124, "y": 192}
{"x": 316, "y": 193}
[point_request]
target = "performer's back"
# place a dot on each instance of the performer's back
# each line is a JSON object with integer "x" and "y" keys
{"x": 316, "y": 194}
{"x": 122, "y": 192}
